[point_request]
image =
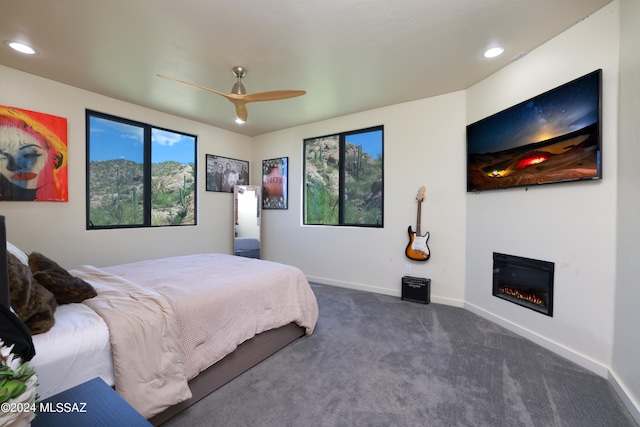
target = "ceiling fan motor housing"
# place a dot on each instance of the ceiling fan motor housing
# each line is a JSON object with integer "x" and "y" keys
{"x": 238, "y": 88}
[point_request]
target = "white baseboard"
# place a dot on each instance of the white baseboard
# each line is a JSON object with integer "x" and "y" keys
{"x": 352, "y": 285}
{"x": 377, "y": 290}
{"x": 621, "y": 391}
{"x": 557, "y": 348}
{"x": 580, "y": 359}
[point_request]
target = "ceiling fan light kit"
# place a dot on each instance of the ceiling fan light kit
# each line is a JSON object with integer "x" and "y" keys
{"x": 239, "y": 96}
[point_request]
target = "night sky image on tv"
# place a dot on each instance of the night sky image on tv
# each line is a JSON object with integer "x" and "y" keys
{"x": 550, "y": 138}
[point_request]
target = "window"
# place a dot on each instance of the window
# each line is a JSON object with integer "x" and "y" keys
{"x": 138, "y": 175}
{"x": 343, "y": 178}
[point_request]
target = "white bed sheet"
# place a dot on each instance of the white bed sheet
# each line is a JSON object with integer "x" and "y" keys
{"x": 77, "y": 350}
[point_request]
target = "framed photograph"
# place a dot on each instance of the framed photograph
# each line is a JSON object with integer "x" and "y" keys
{"x": 274, "y": 183}
{"x": 223, "y": 173}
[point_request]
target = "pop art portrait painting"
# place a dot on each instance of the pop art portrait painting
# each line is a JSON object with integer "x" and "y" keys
{"x": 33, "y": 156}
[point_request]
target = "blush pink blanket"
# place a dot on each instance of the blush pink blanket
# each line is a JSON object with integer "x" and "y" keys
{"x": 148, "y": 362}
{"x": 217, "y": 302}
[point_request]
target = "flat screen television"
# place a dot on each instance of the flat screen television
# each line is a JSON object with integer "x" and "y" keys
{"x": 553, "y": 137}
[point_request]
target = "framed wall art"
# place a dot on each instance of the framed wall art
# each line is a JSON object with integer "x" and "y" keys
{"x": 223, "y": 173}
{"x": 34, "y": 149}
{"x": 274, "y": 183}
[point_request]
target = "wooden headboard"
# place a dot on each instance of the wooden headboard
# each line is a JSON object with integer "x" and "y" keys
{"x": 4, "y": 273}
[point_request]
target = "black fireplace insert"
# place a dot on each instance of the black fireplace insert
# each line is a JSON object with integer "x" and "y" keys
{"x": 524, "y": 281}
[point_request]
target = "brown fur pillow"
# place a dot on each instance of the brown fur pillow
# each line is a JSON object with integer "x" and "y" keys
{"x": 33, "y": 304}
{"x": 66, "y": 288}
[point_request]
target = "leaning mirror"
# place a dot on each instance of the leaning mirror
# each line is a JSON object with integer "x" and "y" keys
{"x": 246, "y": 229}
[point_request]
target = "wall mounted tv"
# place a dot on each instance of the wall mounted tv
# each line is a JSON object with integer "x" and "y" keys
{"x": 553, "y": 137}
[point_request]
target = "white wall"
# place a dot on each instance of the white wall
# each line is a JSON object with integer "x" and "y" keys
{"x": 423, "y": 145}
{"x": 58, "y": 229}
{"x": 626, "y": 343}
{"x": 570, "y": 224}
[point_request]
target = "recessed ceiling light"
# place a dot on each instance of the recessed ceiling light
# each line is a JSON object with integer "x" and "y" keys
{"x": 493, "y": 52}
{"x": 240, "y": 121}
{"x": 22, "y": 48}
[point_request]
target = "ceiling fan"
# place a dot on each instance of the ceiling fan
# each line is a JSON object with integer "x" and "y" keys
{"x": 239, "y": 96}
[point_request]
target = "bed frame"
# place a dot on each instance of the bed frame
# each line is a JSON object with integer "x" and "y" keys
{"x": 247, "y": 355}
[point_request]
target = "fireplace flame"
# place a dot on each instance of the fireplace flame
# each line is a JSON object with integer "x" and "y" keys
{"x": 523, "y": 295}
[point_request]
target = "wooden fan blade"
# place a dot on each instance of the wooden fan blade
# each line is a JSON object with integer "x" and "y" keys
{"x": 241, "y": 111}
{"x": 239, "y": 100}
{"x": 272, "y": 95}
{"x": 230, "y": 96}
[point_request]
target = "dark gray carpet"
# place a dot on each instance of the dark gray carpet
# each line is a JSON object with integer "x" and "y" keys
{"x": 375, "y": 360}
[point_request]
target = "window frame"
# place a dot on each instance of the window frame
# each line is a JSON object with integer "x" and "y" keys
{"x": 342, "y": 137}
{"x": 147, "y": 171}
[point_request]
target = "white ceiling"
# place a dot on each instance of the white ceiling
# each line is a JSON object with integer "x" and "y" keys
{"x": 349, "y": 55}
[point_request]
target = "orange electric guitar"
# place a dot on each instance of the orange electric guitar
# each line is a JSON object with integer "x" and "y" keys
{"x": 417, "y": 248}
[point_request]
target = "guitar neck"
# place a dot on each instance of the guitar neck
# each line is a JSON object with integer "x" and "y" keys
{"x": 418, "y": 220}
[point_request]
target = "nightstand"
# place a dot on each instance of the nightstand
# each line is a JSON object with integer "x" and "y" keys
{"x": 93, "y": 404}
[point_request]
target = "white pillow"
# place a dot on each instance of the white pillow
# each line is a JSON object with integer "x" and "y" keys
{"x": 18, "y": 253}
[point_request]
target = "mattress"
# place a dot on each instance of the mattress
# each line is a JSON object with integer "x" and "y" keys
{"x": 199, "y": 307}
{"x": 221, "y": 300}
{"x": 76, "y": 349}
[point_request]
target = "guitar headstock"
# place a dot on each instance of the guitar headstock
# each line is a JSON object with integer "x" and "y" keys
{"x": 420, "y": 195}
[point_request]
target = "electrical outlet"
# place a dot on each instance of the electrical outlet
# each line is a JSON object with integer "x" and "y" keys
{"x": 407, "y": 269}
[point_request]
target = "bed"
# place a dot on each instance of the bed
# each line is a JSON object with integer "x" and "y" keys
{"x": 167, "y": 332}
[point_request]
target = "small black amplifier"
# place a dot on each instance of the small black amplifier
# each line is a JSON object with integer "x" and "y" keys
{"x": 416, "y": 289}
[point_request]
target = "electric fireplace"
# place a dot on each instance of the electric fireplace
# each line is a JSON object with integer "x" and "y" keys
{"x": 524, "y": 281}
